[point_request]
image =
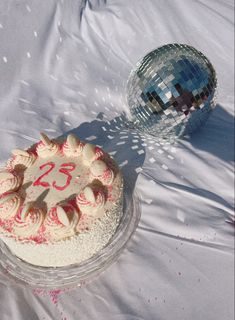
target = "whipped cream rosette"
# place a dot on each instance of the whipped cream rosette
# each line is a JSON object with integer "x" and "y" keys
{"x": 91, "y": 152}
{"x": 61, "y": 222}
{"x": 28, "y": 221}
{"x": 21, "y": 159}
{"x": 88, "y": 153}
{"x": 99, "y": 153}
{"x": 9, "y": 181}
{"x": 47, "y": 148}
{"x": 9, "y": 205}
{"x": 100, "y": 170}
{"x": 73, "y": 146}
{"x": 91, "y": 202}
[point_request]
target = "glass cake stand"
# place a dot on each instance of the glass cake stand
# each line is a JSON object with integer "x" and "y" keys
{"x": 49, "y": 278}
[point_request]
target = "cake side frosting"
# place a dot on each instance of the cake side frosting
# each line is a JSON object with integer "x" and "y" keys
{"x": 73, "y": 250}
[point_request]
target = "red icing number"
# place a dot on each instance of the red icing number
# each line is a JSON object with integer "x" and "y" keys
{"x": 44, "y": 184}
{"x": 65, "y": 168}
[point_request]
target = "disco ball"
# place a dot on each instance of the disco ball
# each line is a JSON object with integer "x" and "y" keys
{"x": 171, "y": 91}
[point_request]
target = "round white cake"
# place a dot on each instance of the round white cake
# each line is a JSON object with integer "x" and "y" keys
{"x": 60, "y": 201}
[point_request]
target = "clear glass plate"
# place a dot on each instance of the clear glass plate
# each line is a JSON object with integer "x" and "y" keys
{"x": 49, "y": 278}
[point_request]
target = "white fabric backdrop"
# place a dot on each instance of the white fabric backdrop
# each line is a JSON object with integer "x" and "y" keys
{"x": 64, "y": 66}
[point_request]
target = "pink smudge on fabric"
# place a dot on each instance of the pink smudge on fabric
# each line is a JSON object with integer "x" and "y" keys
{"x": 54, "y": 295}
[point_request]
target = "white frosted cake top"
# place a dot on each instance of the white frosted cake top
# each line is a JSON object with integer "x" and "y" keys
{"x": 56, "y": 189}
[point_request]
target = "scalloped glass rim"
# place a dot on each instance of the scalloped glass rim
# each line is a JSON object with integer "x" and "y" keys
{"x": 50, "y": 278}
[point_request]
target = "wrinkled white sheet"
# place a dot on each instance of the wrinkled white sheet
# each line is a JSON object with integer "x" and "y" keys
{"x": 64, "y": 66}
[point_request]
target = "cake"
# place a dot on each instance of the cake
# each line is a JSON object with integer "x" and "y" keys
{"x": 60, "y": 201}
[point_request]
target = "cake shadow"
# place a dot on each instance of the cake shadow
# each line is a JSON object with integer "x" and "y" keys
{"x": 122, "y": 143}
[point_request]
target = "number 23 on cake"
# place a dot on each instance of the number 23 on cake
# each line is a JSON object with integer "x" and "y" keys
{"x": 60, "y": 201}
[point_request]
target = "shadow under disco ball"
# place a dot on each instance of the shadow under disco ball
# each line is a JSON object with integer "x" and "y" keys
{"x": 171, "y": 91}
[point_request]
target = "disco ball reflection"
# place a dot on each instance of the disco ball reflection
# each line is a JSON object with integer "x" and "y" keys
{"x": 171, "y": 91}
